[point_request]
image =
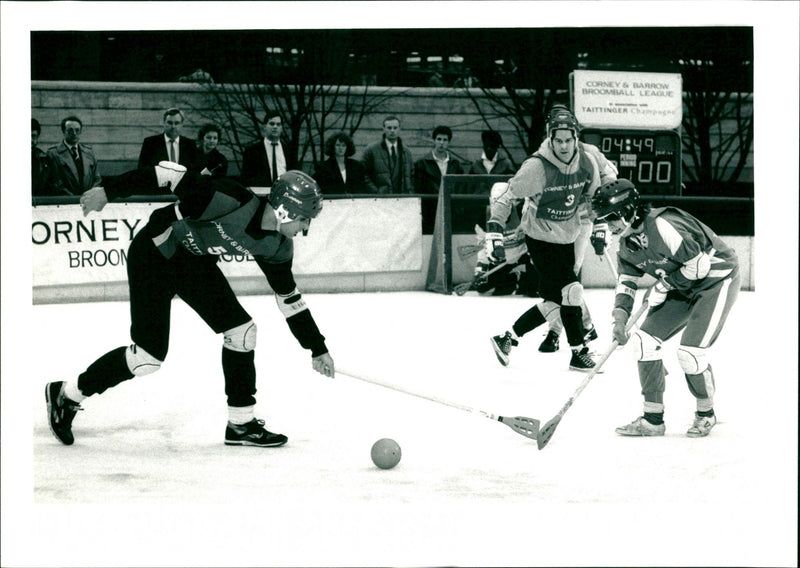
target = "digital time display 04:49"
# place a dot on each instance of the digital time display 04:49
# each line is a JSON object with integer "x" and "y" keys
{"x": 650, "y": 159}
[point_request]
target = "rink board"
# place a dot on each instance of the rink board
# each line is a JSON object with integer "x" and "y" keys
{"x": 356, "y": 245}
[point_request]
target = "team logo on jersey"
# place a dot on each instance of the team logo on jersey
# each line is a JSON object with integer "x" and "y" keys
{"x": 636, "y": 242}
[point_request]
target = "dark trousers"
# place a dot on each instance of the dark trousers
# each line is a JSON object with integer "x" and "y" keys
{"x": 153, "y": 282}
{"x": 556, "y": 266}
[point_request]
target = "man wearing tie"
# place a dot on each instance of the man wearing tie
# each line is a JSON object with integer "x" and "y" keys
{"x": 169, "y": 145}
{"x": 388, "y": 163}
{"x": 74, "y": 164}
{"x": 265, "y": 160}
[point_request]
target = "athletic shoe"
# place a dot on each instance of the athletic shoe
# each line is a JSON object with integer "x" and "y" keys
{"x": 502, "y": 345}
{"x": 550, "y": 343}
{"x": 702, "y": 426}
{"x": 252, "y": 434}
{"x": 589, "y": 335}
{"x": 60, "y": 412}
{"x": 581, "y": 360}
{"x": 641, "y": 427}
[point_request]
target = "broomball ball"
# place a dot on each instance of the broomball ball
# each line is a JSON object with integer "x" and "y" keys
{"x": 386, "y": 453}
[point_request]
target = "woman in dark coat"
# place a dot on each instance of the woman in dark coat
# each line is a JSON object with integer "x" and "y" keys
{"x": 340, "y": 173}
{"x": 212, "y": 162}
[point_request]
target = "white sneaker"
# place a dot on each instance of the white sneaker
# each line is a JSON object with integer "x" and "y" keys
{"x": 641, "y": 427}
{"x": 702, "y": 426}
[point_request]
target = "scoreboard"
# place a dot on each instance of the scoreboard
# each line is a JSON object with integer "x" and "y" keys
{"x": 634, "y": 118}
{"x": 651, "y": 159}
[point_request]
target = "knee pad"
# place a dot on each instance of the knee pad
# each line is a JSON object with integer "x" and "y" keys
{"x": 572, "y": 294}
{"x": 241, "y": 338}
{"x": 692, "y": 359}
{"x": 646, "y": 347}
{"x": 291, "y": 304}
{"x": 140, "y": 362}
{"x": 550, "y": 310}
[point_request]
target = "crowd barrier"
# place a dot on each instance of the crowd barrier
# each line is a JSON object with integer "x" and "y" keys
{"x": 77, "y": 258}
{"x": 362, "y": 243}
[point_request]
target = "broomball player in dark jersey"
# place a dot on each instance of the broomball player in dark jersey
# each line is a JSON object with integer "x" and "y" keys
{"x": 177, "y": 253}
{"x": 698, "y": 281}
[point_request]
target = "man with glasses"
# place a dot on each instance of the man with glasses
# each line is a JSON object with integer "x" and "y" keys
{"x": 74, "y": 165}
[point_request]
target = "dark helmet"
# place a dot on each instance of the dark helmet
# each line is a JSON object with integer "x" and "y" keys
{"x": 616, "y": 197}
{"x": 295, "y": 194}
{"x": 560, "y": 118}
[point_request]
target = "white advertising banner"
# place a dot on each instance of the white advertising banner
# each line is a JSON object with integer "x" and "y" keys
{"x": 350, "y": 235}
{"x": 627, "y": 99}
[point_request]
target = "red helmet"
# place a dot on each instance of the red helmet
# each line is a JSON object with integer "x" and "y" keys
{"x": 618, "y": 197}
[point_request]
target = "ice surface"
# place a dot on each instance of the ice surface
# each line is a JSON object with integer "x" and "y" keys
{"x": 149, "y": 482}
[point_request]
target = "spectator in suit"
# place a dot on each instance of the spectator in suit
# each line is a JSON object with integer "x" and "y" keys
{"x": 389, "y": 163}
{"x": 490, "y": 161}
{"x": 74, "y": 165}
{"x": 170, "y": 145}
{"x": 340, "y": 173}
{"x": 428, "y": 171}
{"x": 212, "y": 162}
{"x": 266, "y": 160}
{"x": 40, "y": 164}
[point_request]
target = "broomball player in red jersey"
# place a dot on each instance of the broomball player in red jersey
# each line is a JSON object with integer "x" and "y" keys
{"x": 177, "y": 253}
{"x": 697, "y": 284}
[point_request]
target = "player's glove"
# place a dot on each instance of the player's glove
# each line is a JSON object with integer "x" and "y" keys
{"x": 93, "y": 200}
{"x": 493, "y": 245}
{"x": 658, "y": 293}
{"x": 495, "y": 251}
{"x": 618, "y": 332}
{"x": 601, "y": 238}
{"x": 169, "y": 174}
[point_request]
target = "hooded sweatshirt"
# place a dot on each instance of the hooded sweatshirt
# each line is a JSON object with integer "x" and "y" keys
{"x": 552, "y": 191}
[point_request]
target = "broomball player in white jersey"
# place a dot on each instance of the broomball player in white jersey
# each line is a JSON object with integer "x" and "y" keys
{"x": 553, "y": 181}
{"x": 177, "y": 253}
{"x": 597, "y": 234}
{"x": 698, "y": 282}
